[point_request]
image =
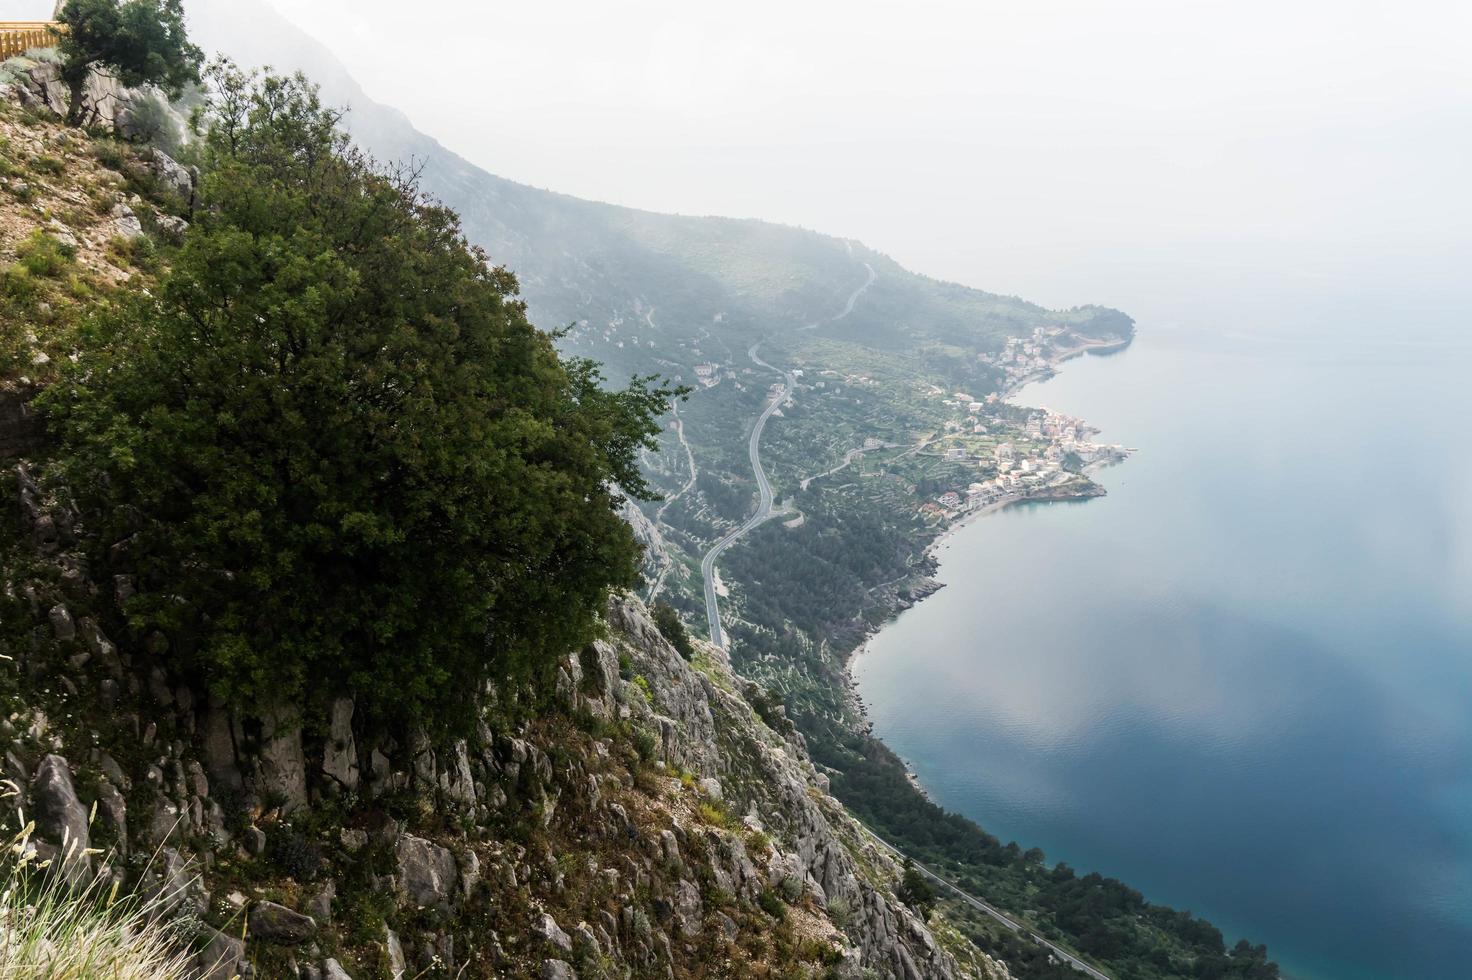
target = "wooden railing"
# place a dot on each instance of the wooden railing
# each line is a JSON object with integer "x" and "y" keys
{"x": 20, "y": 36}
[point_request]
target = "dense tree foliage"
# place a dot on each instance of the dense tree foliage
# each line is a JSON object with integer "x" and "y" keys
{"x": 672, "y": 628}
{"x": 136, "y": 41}
{"x": 330, "y": 449}
{"x": 915, "y": 890}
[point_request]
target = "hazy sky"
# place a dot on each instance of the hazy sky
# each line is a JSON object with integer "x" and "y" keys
{"x": 1067, "y": 150}
{"x": 983, "y": 141}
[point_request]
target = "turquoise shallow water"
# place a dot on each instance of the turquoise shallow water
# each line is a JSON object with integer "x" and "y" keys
{"x": 1242, "y": 681}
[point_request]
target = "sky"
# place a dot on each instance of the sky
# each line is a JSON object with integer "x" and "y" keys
{"x": 1065, "y": 150}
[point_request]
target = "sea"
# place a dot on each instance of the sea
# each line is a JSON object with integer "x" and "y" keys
{"x": 1241, "y": 682}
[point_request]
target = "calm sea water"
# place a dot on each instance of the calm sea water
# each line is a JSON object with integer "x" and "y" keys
{"x": 1242, "y": 682}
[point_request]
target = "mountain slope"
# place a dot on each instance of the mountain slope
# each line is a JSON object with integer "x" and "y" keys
{"x": 630, "y": 815}
{"x": 603, "y": 266}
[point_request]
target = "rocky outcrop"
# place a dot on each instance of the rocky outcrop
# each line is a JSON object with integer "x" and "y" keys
{"x": 705, "y": 726}
{"x": 642, "y": 821}
{"x": 426, "y": 873}
{"x": 141, "y": 114}
{"x": 60, "y": 816}
{"x": 278, "y": 924}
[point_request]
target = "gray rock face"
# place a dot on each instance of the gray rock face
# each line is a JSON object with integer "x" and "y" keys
{"x": 547, "y": 928}
{"x": 171, "y": 174}
{"x": 60, "y": 816}
{"x": 557, "y": 970}
{"x": 320, "y": 906}
{"x": 687, "y": 909}
{"x": 172, "y": 227}
{"x": 340, "y": 755}
{"x": 217, "y": 745}
{"x": 222, "y": 958}
{"x": 125, "y": 223}
{"x": 426, "y": 873}
{"x": 173, "y": 884}
{"x": 38, "y": 85}
{"x": 396, "y": 964}
{"x": 62, "y": 624}
{"x": 707, "y": 729}
{"x": 112, "y": 810}
{"x": 332, "y": 970}
{"x": 283, "y": 768}
{"x": 279, "y": 924}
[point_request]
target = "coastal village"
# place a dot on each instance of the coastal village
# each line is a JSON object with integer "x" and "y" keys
{"x": 1048, "y": 460}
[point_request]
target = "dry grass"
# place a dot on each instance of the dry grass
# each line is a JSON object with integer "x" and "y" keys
{"x": 52, "y": 928}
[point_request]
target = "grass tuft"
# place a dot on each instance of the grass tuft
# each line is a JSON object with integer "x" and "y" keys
{"x": 53, "y": 928}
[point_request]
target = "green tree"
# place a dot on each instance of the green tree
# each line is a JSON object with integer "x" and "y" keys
{"x": 331, "y": 449}
{"x": 915, "y": 890}
{"x": 672, "y": 628}
{"x": 137, "y": 41}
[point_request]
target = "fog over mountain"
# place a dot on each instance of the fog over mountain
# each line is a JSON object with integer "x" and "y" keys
{"x": 1145, "y": 155}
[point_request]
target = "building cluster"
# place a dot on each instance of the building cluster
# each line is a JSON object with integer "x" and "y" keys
{"x": 1023, "y": 357}
{"x": 1052, "y": 438}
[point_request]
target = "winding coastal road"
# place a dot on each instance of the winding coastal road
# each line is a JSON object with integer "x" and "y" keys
{"x": 764, "y": 487}
{"x": 764, "y": 503}
{"x": 981, "y": 906}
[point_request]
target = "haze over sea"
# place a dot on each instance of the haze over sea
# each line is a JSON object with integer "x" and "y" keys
{"x": 1241, "y": 682}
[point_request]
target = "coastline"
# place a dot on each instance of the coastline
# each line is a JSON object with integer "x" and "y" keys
{"x": 922, "y": 585}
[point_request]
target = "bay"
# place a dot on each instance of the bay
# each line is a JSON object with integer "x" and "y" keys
{"x": 1242, "y": 681}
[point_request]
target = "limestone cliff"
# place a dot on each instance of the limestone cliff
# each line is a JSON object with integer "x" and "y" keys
{"x": 647, "y": 822}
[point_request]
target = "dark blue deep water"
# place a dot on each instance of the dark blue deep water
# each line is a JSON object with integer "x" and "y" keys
{"x": 1241, "y": 682}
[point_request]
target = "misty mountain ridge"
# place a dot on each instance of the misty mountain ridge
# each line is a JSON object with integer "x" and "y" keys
{"x": 632, "y": 280}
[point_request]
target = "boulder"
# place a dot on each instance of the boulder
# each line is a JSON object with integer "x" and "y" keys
{"x": 125, "y": 223}
{"x": 332, "y": 970}
{"x": 278, "y": 924}
{"x": 172, "y": 227}
{"x": 397, "y": 966}
{"x": 547, "y": 928}
{"x": 62, "y": 624}
{"x": 60, "y": 816}
{"x": 320, "y": 906}
{"x": 174, "y": 177}
{"x": 558, "y": 970}
{"x": 221, "y": 958}
{"x": 426, "y": 872}
{"x": 112, "y": 810}
{"x": 171, "y": 884}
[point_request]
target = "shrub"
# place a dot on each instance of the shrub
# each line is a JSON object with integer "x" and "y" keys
{"x": 154, "y": 121}
{"x": 645, "y": 744}
{"x": 109, "y": 153}
{"x": 915, "y": 890}
{"x": 47, "y": 165}
{"x": 672, "y": 628}
{"x": 713, "y": 814}
{"x": 770, "y": 903}
{"x": 294, "y": 853}
{"x": 338, "y": 447}
{"x": 42, "y": 255}
{"x": 19, "y": 286}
